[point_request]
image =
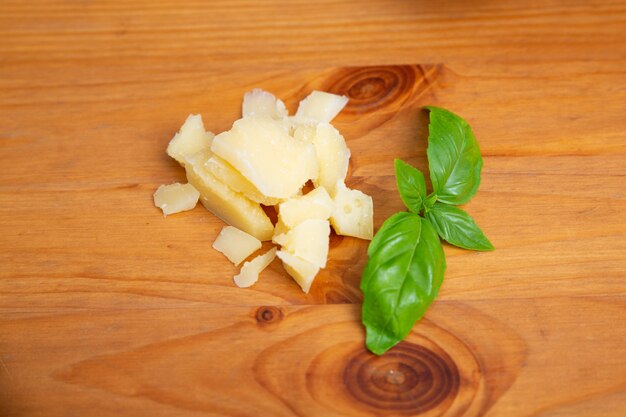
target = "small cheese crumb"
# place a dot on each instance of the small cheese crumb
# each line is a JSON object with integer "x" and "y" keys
{"x": 236, "y": 244}
{"x": 174, "y": 198}
{"x": 250, "y": 271}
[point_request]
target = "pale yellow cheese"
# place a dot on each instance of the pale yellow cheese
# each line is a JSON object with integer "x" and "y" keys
{"x": 190, "y": 139}
{"x": 226, "y": 173}
{"x": 264, "y": 153}
{"x": 279, "y": 229}
{"x": 249, "y": 273}
{"x": 333, "y": 156}
{"x": 261, "y": 103}
{"x": 174, "y": 198}
{"x": 303, "y": 132}
{"x": 307, "y": 241}
{"x": 232, "y": 207}
{"x": 354, "y": 213}
{"x": 301, "y": 271}
{"x": 317, "y": 204}
{"x": 321, "y": 107}
{"x": 236, "y": 244}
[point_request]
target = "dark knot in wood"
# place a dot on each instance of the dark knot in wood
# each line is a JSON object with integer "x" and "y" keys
{"x": 268, "y": 314}
{"x": 407, "y": 379}
{"x": 373, "y": 88}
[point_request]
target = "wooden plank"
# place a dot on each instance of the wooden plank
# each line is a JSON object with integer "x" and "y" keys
{"x": 99, "y": 196}
{"x": 465, "y": 359}
{"x": 229, "y": 34}
{"x": 107, "y": 308}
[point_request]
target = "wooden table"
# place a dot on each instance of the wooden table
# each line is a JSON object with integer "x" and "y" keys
{"x": 108, "y": 309}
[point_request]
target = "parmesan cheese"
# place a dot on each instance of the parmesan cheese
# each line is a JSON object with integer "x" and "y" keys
{"x": 232, "y": 207}
{"x": 190, "y": 139}
{"x": 354, "y": 213}
{"x": 264, "y": 153}
{"x": 333, "y": 156}
{"x": 226, "y": 173}
{"x": 175, "y": 198}
{"x": 261, "y": 103}
{"x": 321, "y": 107}
{"x": 317, "y": 204}
{"x": 307, "y": 241}
{"x": 236, "y": 244}
{"x": 250, "y": 271}
{"x": 301, "y": 271}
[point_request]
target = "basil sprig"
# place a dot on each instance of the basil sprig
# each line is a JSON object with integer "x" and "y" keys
{"x": 406, "y": 262}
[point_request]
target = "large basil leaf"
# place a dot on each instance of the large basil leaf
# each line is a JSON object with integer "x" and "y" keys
{"x": 411, "y": 185}
{"x": 457, "y": 227}
{"x": 454, "y": 157}
{"x": 402, "y": 277}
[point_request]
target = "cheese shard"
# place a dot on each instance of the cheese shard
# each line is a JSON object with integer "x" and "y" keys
{"x": 317, "y": 204}
{"x": 174, "y": 198}
{"x": 190, "y": 139}
{"x": 232, "y": 207}
{"x": 261, "y": 103}
{"x": 320, "y": 107}
{"x": 249, "y": 273}
{"x": 333, "y": 156}
{"x": 354, "y": 213}
{"x": 279, "y": 229}
{"x": 303, "y": 132}
{"x": 226, "y": 173}
{"x": 264, "y": 153}
{"x": 301, "y": 271}
{"x": 308, "y": 241}
{"x": 236, "y": 244}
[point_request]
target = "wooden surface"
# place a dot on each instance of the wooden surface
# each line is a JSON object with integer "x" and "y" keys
{"x": 108, "y": 309}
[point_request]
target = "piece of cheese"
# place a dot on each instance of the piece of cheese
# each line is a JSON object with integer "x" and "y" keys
{"x": 190, "y": 139}
{"x": 226, "y": 173}
{"x": 261, "y": 103}
{"x": 308, "y": 241}
{"x": 232, "y": 207}
{"x": 301, "y": 271}
{"x": 279, "y": 229}
{"x": 249, "y": 273}
{"x": 317, "y": 204}
{"x": 174, "y": 198}
{"x": 303, "y": 132}
{"x": 236, "y": 244}
{"x": 333, "y": 156}
{"x": 354, "y": 213}
{"x": 320, "y": 107}
{"x": 264, "y": 153}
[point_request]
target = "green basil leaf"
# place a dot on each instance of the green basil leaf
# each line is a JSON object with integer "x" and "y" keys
{"x": 402, "y": 277}
{"x": 454, "y": 157}
{"x": 411, "y": 185}
{"x": 430, "y": 201}
{"x": 457, "y": 227}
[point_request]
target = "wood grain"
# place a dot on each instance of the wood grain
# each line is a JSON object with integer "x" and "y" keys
{"x": 107, "y": 308}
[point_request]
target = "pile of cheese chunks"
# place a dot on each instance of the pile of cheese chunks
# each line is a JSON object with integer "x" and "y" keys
{"x": 266, "y": 158}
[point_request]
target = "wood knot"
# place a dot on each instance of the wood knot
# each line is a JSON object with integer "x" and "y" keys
{"x": 407, "y": 379}
{"x": 373, "y": 88}
{"x": 268, "y": 314}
